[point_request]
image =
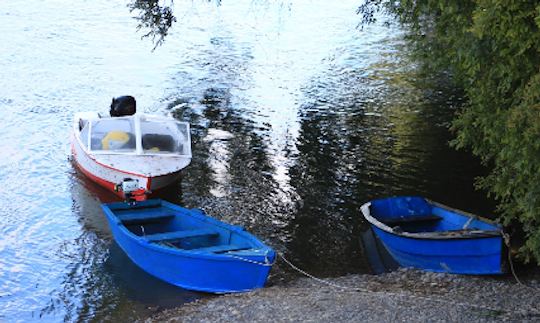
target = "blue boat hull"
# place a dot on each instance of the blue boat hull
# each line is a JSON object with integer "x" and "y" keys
{"x": 478, "y": 256}
{"x": 196, "y": 269}
{"x": 426, "y": 235}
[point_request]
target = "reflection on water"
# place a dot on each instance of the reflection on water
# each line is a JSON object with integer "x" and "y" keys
{"x": 379, "y": 259}
{"x": 297, "y": 119}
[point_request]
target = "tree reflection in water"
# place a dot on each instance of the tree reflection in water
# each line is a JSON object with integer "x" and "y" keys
{"x": 377, "y": 128}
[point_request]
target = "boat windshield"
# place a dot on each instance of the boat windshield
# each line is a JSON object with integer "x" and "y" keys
{"x": 144, "y": 134}
{"x": 113, "y": 134}
{"x": 164, "y": 136}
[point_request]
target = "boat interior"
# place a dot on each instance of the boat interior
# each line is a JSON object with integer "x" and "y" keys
{"x": 161, "y": 225}
{"x": 415, "y": 224}
{"x": 135, "y": 133}
{"x": 415, "y": 215}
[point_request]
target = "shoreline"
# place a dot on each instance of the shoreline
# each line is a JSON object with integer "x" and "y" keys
{"x": 403, "y": 295}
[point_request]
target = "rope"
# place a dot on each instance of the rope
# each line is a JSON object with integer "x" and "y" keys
{"x": 316, "y": 278}
{"x": 265, "y": 264}
{"x": 407, "y": 297}
{"x": 506, "y": 238}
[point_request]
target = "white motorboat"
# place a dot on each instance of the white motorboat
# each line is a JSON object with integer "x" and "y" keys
{"x": 147, "y": 150}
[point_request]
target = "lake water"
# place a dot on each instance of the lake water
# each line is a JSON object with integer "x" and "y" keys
{"x": 298, "y": 118}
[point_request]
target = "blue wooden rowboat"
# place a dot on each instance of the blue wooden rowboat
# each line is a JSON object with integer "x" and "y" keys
{"x": 189, "y": 249}
{"x": 427, "y": 235}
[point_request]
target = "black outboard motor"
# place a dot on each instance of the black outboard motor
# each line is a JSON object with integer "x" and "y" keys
{"x": 123, "y": 106}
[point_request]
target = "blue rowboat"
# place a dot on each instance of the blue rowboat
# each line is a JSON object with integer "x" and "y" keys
{"x": 427, "y": 235}
{"x": 189, "y": 249}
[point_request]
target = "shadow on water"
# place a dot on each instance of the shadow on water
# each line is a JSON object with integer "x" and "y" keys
{"x": 143, "y": 287}
{"x": 379, "y": 259}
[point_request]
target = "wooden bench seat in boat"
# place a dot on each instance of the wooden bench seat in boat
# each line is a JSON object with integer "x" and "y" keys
{"x": 411, "y": 219}
{"x": 136, "y": 218}
{"x": 221, "y": 248}
{"x": 177, "y": 235}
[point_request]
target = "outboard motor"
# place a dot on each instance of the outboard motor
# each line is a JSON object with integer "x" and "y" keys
{"x": 123, "y": 106}
{"x": 131, "y": 190}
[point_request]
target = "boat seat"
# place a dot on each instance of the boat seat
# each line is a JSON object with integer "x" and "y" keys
{"x": 177, "y": 235}
{"x": 158, "y": 142}
{"x": 221, "y": 248}
{"x": 411, "y": 219}
{"x": 139, "y": 218}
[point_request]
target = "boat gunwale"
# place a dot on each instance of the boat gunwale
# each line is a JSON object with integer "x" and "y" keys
{"x": 264, "y": 250}
{"x": 436, "y": 235}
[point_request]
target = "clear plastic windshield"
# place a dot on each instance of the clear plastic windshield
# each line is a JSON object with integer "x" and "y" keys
{"x": 147, "y": 135}
{"x": 114, "y": 134}
{"x": 164, "y": 136}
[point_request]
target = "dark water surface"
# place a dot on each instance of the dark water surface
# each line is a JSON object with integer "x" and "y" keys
{"x": 297, "y": 116}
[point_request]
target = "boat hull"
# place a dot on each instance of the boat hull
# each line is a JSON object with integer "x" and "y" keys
{"x": 426, "y": 235}
{"x": 108, "y": 177}
{"x": 190, "y": 269}
{"x": 477, "y": 256}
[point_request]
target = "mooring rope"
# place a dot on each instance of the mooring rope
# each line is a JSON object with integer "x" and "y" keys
{"x": 407, "y": 297}
{"x": 264, "y": 264}
{"x": 320, "y": 280}
{"x": 506, "y": 238}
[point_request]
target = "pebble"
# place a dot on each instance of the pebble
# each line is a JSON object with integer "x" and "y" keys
{"x": 402, "y": 296}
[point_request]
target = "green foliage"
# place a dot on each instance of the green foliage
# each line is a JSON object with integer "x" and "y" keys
{"x": 491, "y": 47}
{"x": 155, "y": 16}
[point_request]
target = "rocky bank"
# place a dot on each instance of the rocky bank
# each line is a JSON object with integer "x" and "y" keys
{"x": 405, "y": 295}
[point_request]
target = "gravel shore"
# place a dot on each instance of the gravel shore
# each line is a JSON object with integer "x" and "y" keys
{"x": 402, "y": 296}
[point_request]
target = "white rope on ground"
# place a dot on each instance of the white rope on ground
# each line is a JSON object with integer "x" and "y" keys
{"x": 407, "y": 297}
{"x": 316, "y": 278}
{"x": 265, "y": 264}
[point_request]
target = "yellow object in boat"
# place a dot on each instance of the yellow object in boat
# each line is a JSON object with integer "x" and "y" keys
{"x": 114, "y": 140}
